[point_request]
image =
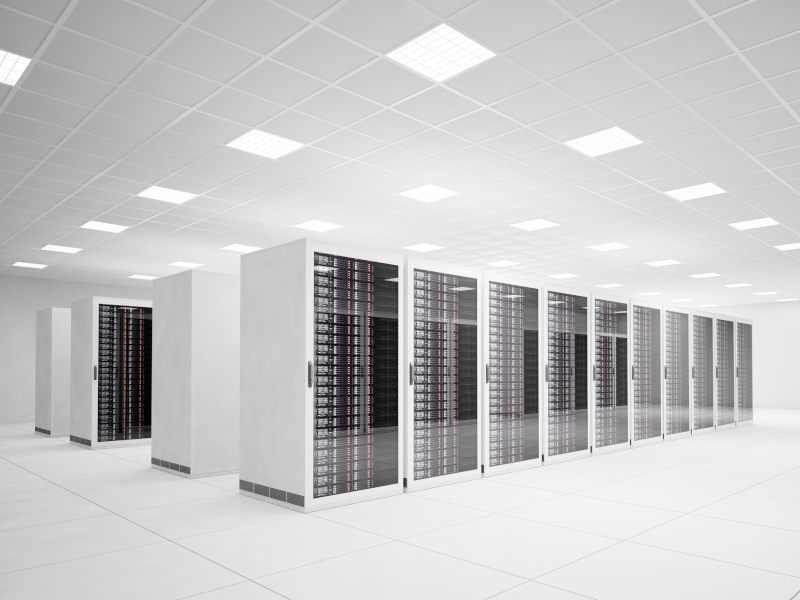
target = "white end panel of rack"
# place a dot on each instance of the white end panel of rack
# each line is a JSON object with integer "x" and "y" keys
{"x": 52, "y": 371}
{"x": 195, "y": 429}
{"x": 83, "y": 387}
{"x": 320, "y": 355}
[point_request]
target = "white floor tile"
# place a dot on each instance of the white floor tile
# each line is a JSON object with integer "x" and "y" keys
{"x": 778, "y": 488}
{"x": 158, "y": 572}
{"x": 24, "y": 513}
{"x": 12, "y": 474}
{"x": 783, "y": 514}
{"x": 487, "y": 494}
{"x": 384, "y": 572}
{"x": 153, "y": 494}
{"x": 512, "y": 545}
{"x": 109, "y": 480}
{"x": 532, "y": 590}
{"x": 241, "y": 591}
{"x": 667, "y": 497}
{"x": 632, "y": 572}
{"x": 400, "y": 516}
{"x": 280, "y": 544}
{"x": 556, "y": 478}
{"x": 29, "y": 490}
{"x": 228, "y": 482}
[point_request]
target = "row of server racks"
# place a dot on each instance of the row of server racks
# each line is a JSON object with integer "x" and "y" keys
{"x": 416, "y": 375}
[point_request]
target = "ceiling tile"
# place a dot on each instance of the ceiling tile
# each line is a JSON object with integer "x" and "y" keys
{"x": 31, "y": 129}
{"x": 769, "y": 142}
{"x": 179, "y": 9}
{"x": 206, "y": 56}
{"x": 21, "y": 34}
{"x": 635, "y": 103}
{"x": 46, "y": 109}
{"x": 337, "y": 106}
{"x": 758, "y": 123}
{"x": 535, "y": 104}
{"x": 436, "y": 105}
{"x": 93, "y": 58}
{"x": 298, "y": 126}
{"x": 559, "y": 51}
{"x": 579, "y": 7}
{"x": 173, "y": 85}
{"x": 389, "y": 126}
{"x": 309, "y": 8}
{"x": 432, "y": 142}
{"x": 118, "y": 128}
{"x": 323, "y": 55}
{"x": 573, "y": 123}
{"x": 774, "y": 18}
{"x": 601, "y": 79}
{"x": 64, "y": 85}
{"x": 348, "y": 143}
{"x": 517, "y": 142}
{"x": 712, "y": 78}
{"x": 480, "y": 125}
{"x": 777, "y": 57}
{"x": 239, "y": 107}
{"x": 210, "y": 128}
{"x": 492, "y": 80}
{"x": 277, "y": 83}
{"x": 385, "y": 82}
{"x": 715, "y": 6}
{"x": 630, "y": 22}
{"x": 48, "y": 10}
{"x": 735, "y": 103}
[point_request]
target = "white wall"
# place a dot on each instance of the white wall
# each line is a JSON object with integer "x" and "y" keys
{"x": 776, "y": 361}
{"x": 20, "y": 299}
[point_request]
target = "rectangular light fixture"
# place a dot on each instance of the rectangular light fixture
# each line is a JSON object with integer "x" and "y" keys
{"x": 649, "y": 293}
{"x": 265, "y": 144}
{"x": 765, "y": 293}
{"x": 27, "y": 265}
{"x": 440, "y": 53}
{"x": 535, "y": 225}
{"x": 424, "y": 247}
{"x": 429, "y": 193}
{"x": 738, "y": 285}
{"x": 63, "y": 249}
{"x": 608, "y": 286}
{"x": 754, "y": 224}
{"x": 786, "y": 300}
{"x": 143, "y": 277}
{"x": 693, "y": 192}
{"x": 563, "y": 276}
{"x": 101, "y": 226}
{"x": 185, "y": 265}
{"x": 320, "y": 226}
{"x": 503, "y": 263}
{"x": 155, "y": 192}
{"x": 705, "y": 275}
{"x": 12, "y": 66}
{"x": 603, "y": 142}
{"x": 241, "y": 248}
{"x": 785, "y": 247}
{"x": 663, "y": 263}
{"x": 608, "y": 247}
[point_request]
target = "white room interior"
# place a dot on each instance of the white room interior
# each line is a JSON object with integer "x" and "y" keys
{"x": 148, "y": 147}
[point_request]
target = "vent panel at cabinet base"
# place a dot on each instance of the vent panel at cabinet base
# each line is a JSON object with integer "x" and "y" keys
{"x": 355, "y": 375}
{"x": 744, "y": 352}
{"x": 725, "y": 374}
{"x": 513, "y": 373}
{"x": 677, "y": 401}
{"x": 124, "y": 372}
{"x": 611, "y": 372}
{"x": 445, "y": 374}
{"x": 703, "y": 371}
{"x": 567, "y": 389}
{"x": 646, "y": 372}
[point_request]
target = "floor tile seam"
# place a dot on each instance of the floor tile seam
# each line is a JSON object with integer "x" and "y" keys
{"x": 764, "y": 525}
{"x": 63, "y": 493}
{"x": 766, "y": 497}
{"x": 498, "y": 512}
{"x": 627, "y": 503}
{"x": 224, "y": 587}
{"x": 52, "y": 523}
{"x": 797, "y": 595}
{"x": 550, "y": 585}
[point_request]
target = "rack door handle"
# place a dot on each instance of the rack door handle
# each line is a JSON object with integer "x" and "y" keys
{"x": 717, "y": 371}
{"x": 693, "y": 375}
{"x": 95, "y": 373}
{"x": 410, "y": 373}
{"x": 487, "y": 372}
{"x": 546, "y": 372}
{"x": 666, "y": 376}
{"x": 310, "y": 374}
{"x": 633, "y": 372}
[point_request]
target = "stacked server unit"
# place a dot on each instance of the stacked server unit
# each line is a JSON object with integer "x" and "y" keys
{"x": 566, "y": 374}
{"x": 702, "y": 372}
{"x": 610, "y": 373}
{"x": 320, "y": 366}
{"x": 725, "y": 372}
{"x": 444, "y": 441}
{"x": 512, "y": 376}
{"x": 677, "y": 400}
{"x": 744, "y": 371}
{"x": 646, "y": 372}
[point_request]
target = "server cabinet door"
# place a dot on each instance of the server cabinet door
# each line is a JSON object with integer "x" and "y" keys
{"x": 445, "y": 374}
{"x": 610, "y": 372}
{"x": 646, "y": 372}
{"x": 703, "y": 371}
{"x": 566, "y": 374}
{"x": 513, "y": 373}
{"x": 356, "y": 329}
{"x": 725, "y": 372}
{"x": 676, "y": 372}
{"x": 744, "y": 371}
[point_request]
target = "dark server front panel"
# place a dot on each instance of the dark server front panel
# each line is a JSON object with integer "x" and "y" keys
{"x": 725, "y": 373}
{"x": 356, "y": 374}
{"x": 513, "y": 373}
{"x": 567, "y": 385}
{"x": 124, "y": 362}
{"x": 646, "y": 372}
{"x": 744, "y": 359}
{"x": 445, "y": 374}
{"x": 676, "y": 370}
{"x": 610, "y": 372}
{"x": 703, "y": 371}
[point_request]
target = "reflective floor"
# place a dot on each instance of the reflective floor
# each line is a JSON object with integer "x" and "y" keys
{"x": 714, "y": 516}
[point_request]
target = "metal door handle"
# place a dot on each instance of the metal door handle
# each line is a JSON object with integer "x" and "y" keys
{"x": 633, "y": 372}
{"x": 665, "y": 372}
{"x": 310, "y": 374}
{"x": 410, "y": 373}
{"x": 95, "y": 372}
{"x": 487, "y": 372}
{"x": 546, "y": 373}
{"x": 717, "y": 372}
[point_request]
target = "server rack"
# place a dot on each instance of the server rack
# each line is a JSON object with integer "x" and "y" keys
{"x": 442, "y": 392}
{"x": 725, "y": 372}
{"x": 610, "y": 358}
{"x": 320, "y": 402}
{"x": 744, "y": 371}
{"x": 566, "y": 375}
{"x": 512, "y": 378}
{"x": 677, "y": 373}
{"x": 646, "y": 373}
{"x": 111, "y": 371}
{"x": 703, "y": 380}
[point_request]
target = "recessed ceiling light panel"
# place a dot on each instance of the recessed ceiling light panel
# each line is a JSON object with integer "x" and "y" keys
{"x": 424, "y": 247}
{"x": 738, "y": 285}
{"x": 603, "y": 142}
{"x": 754, "y": 224}
{"x": 143, "y": 277}
{"x": 319, "y": 226}
{"x": 185, "y": 265}
{"x": 608, "y": 247}
{"x": 62, "y": 249}
{"x": 241, "y": 248}
{"x": 265, "y": 144}
{"x": 12, "y": 66}
{"x": 101, "y": 226}
{"x": 786, "y": 300}
{"x": 440, "y": 53}
{"x": 785, "y": 247}
{"x": 27, "y": 265}
{"x": 535, "y": 225}
{"x": 765, "y": 294}
{"x": 155, "y": 192}
{"x": 704, "y": 275}
{"x": 663, "y": 263}
{"x": 429, "y": 193}
{"x": 693, "y": 192}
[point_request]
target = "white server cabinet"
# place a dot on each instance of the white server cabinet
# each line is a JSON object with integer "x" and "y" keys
{"x": 110, "y": 384}
{"x": 320, "y": 360}
{"x": 677, "y": 373}
{"x": 703, "y": 380}
{"x": 610, "y": 358}
{"x": 52, "y": 371}
{"x": 512, "y": 378}
{"x": 195, "y": 399}
{"x": 725, "y": 372}
{"x": 646, "y": 373}
{"x": 744, "y": 371}
{"x": 443, "y": 341}
{"x": 566, "y": 375}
